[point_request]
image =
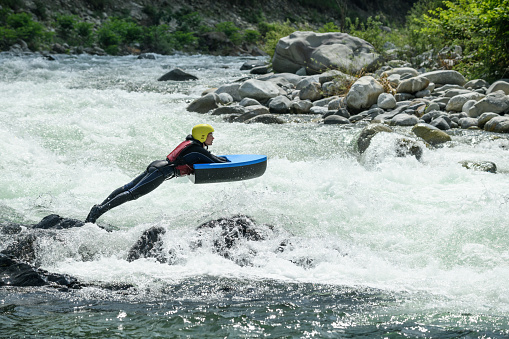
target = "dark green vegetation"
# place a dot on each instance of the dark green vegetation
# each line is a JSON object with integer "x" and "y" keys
{"x": 478, "y": 27}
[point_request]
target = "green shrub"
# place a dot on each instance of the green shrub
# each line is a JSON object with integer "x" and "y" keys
{"x": 251, "y": 36}
{"x": 231, "y": 31}
{"x": 479, "y": 27}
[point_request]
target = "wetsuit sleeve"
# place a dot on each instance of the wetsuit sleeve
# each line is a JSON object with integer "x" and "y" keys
{"x": 199, "y": 155}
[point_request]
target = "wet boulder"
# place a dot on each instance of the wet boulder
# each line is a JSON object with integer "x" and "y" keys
{"x": 54, "y": 221}
{"x": 363, "y": 94}
{"x": 482, "y": 166}
{"x": 177, "y": 74}
{"x": 204, "y": 103}
{"x": 149, "y": 245}
{"x": 368, "y": 133}
{"x": 430, "y": 134}
{"x": 14, "y": 272}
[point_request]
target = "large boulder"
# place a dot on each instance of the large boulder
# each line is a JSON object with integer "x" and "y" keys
{"x": 456, "y": 102}
{"x": 317, "y": 52}
{"x": 363, "y": 94}
{"x": 204, "y": 103}
{"x": 500, "y": 85}
{"x": 368, "y": 133}
{"x": 259, "y": 90}
{"x": 496, "y": 102}
{"x": 445, "y": 77}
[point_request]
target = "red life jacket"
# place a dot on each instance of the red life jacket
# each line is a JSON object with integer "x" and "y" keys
{"x": 173, "y": 156}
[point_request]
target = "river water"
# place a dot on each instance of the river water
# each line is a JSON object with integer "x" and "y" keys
{"x": 379, "y": 245}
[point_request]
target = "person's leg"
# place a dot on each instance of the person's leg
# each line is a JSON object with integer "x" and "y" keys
{"x": 145, "y": 183}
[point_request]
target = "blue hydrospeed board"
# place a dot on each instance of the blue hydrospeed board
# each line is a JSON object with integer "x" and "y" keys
{"x": 239, "y": 167}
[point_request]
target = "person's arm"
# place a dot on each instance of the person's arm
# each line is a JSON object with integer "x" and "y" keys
{"x": 199, "y": 155}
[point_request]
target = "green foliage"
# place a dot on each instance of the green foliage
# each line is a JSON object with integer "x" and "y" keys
{"x": 18, "y": 26}
{"x": 231, "y": 31}
{"x": 189, "y": 21}
{"x": 329, "y": 27}
{"x": 274, "y": 32}
{"x": 479, "y": 27}
{"x": 251, "y": 36}
{"x": 370, "y": 30}
{"x": 115, "y": 32}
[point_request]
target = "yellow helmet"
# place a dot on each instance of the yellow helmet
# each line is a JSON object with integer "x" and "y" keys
{"x": 201, "y": 131}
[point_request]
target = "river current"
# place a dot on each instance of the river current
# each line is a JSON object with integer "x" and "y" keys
{"x": 381, "y": 246}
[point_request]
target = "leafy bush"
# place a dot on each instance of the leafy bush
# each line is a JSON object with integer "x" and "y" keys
{"x": 231, "y": 31}
{"x": 479, "y": 27}
{"x": 251, "y": 36}
{"x": 21, "y": 26}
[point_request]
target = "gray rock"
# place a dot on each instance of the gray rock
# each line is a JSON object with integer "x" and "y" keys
{"x": 336, "y": 120}
{"x": 236, "y": 109}
{"x": 300, "y": 106}
{"x": 258, "y": 90}
{"x": 456, "y": 102}
{"x": 325, "y": 101}
{"x": 386, "y": 101}
{"x": 204, "y": 104}
{"x": 318, "y": 110}
{"x": 484, "y": 166}
{"x": 249, "y": 102}
{"x": 251, "y": 112}
{"x": 265, "y": 119}
{"x": 320, "y": 51}
{"x": 476, "y": 84}
{"x": 368, "y": 133}
{"x": 499, "y": 86}
{"x": 440, "y": 123}
{"x": 363, "y": 94}
{"x": 445, "y": 77}
{"x": 496, "y": 102}
{"x": 485, "y": 117}
{"x": 250, "y": 64}
{"x": 466, "y": 123}
{"x": 404, "y": 120}
{"x": 177, "y": 74}
{"x": 225, "y": 98}
{"x": 312, "y": 92}
{"x": 232, "y": 89}
{"x": 280, "y": 104}
{"x": 413, "y": 85}
{"x": 498, "y": 125}
{"x": 431, "y": 134}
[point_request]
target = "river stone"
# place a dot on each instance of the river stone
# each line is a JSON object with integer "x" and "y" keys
{"x": 476, "y": 84}
{"x": 498, "y": 125}
{"x": 430, "y": 134}
{"x": 484, "y": 166}
{"x": 312, "y": 92}
{"x": 336, "y": 120}
{"x": 300, "y": 106}
{"x": 232, "y": 89}
{"x": 248, "y": 102}
{"x": 280, "y": 104}
{"x": 413, "y": 85}
{"x": 204, "y": 104}
{"x": 467, "y": 105}
{"x": 445, "y": 77}
{"x": 336, "y": 103}
{"x": 368, "y": 133}
{"x": 319, "y": 110}
{"x": 363, "y": 94}
{"x": 386, "y": 101}
{"x": 401, "y": 71}
{"x": 149, "y": 245}
{"x": 485, "y": 117}
{"x": 499, "y": 86}
{"x": 466, "y": 123}
{"x": 265, "y": 119}
{"x": 251, "y": 112}
{"x": 456, "y": 102}
{"x": 496, "y": 102}
{"x": 54, "y": 221}
{"x": 177, "y": 74}
{"x": 441, "y": 123}
{"x": 283, "y": 79}
{"x": 404, "y": 119}
{"x": 236, "y": 109}
{"x": 258, "y": 90}
{"x": 317, "y": 52}
{"x": 225, "y": 98}
{"x": 250, "y": 64}
{"x": 325, "y": 101}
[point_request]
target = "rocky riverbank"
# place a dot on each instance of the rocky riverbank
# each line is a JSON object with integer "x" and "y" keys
{"x": 394, "y": 93}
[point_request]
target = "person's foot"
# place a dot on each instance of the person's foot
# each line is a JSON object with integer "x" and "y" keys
{"x": 93, "y": 214}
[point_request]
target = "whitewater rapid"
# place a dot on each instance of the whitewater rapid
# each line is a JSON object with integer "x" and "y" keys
{"x": 73, "y": 130}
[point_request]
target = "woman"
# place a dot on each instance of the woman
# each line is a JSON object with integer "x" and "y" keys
{"x": 194, "y": 150}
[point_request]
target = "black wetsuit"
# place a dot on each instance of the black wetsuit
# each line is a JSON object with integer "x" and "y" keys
{"x": 156, "y": 172}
